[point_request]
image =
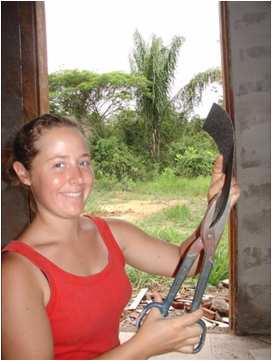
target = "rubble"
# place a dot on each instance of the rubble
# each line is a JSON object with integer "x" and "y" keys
{"x": 220, "y": 305}
{"x": 138, "y": 299}
{"x": 215, "y": 305}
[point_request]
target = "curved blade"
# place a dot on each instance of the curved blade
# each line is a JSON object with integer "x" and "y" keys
{"x": 219, "y": 126}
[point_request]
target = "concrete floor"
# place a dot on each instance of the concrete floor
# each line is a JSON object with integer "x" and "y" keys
{"x": 222, "y": 347}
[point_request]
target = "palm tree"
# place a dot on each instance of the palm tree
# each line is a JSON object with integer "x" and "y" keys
{"x": 158, "y": 64}
{"x": 190, "y": 95}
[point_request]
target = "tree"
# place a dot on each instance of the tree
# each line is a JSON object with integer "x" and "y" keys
{"x": 92, "y": 96}
{"x": 157, "y": 63}
{"x": 190, "y": 95}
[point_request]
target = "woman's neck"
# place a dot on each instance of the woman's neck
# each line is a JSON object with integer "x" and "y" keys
{"x": 53, "y": 228}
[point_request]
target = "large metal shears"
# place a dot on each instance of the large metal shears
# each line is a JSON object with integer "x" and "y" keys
{"x": 210, "y": 230}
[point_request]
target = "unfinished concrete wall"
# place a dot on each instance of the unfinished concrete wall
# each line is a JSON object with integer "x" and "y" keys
{"x": 249, "y": 38}
{"x": 24, "y": 91}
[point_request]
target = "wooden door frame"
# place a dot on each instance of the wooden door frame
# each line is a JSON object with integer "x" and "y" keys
{"x": 229, "y": 107}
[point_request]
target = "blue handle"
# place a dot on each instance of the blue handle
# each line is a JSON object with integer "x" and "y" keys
{"x": 202, "y": 337}
{"x": 180, "y": 277}
{"x": 182, "y": 272}
{"x": 162, "y": 307}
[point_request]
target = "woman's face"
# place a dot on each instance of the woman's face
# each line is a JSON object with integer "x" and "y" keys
{"x": 61, "y": 177}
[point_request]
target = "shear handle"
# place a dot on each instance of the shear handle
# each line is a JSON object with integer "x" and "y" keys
{"x": 199, "y": 346}
{"x": 200, "y": 289}
{"x": 181, "y": 275}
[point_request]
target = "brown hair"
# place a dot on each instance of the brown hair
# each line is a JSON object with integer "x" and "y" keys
{"x": 22, "y": 147}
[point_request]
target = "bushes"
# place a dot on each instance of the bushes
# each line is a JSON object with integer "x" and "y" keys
{"x": 193, "y": 162}
{"x": 112, "y": 158}
{"x": 122, "y": 153}
{"x": 115, "y": 161}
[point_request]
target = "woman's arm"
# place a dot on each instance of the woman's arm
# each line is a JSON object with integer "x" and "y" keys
{"x": 160, "y": 257}
{"x": 26, "y": 332}
{"x": 143, "y": 251}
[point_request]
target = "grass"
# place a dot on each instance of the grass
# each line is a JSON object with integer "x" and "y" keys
{"x": 173, "y": 224}
{"x": 168, "y": 185}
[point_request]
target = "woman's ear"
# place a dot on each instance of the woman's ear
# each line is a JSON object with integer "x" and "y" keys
{"x": 22, "y": 173}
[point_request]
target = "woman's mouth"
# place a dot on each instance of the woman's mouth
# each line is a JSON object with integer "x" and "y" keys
{"x": 72, "y": 194}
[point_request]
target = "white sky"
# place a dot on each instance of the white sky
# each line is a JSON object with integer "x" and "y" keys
{"x": 97, "y": 35}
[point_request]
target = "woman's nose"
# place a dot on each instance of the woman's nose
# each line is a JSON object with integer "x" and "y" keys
{"x": 75, "y": 176}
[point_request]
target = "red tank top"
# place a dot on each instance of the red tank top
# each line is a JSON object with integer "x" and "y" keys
{"x": 84, "y": 311}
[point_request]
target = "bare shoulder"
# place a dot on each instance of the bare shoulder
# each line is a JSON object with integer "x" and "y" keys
{"x": 19, "y": 274}
{"x": 125, "y": 232}
{"x": 86, "y": 224}
{"x": 23, "y": 305}
{"x": 121, "y": 227}
{"x": 13, "y": 263}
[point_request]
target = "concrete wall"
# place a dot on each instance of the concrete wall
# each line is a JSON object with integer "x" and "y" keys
{"x": 249, "y": 58}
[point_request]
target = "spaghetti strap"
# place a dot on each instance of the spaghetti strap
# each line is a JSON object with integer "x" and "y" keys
{"x": 107, "y": 235}
{"x": 30, "y": 253}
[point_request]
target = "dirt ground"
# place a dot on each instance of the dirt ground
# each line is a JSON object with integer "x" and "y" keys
{"x": 215, "y": 317}
{"x": 134, "y": 210}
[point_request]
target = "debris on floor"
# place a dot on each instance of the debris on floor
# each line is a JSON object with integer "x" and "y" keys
{"x": 215, "y": 305}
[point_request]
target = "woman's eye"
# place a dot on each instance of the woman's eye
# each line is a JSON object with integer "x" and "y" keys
{"x": 59, "y": 165}
{"x": 84, "y": 163}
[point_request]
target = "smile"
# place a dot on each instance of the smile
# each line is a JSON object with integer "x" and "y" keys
{"x": 73, "y": 194}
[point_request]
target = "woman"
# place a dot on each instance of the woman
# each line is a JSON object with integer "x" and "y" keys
{"x": 64, "y": 284}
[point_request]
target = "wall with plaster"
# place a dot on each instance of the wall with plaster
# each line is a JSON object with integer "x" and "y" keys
{"x": 250, "y": 72}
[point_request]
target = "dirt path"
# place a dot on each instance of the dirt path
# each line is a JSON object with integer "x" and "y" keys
{"x": 136, "y": 209}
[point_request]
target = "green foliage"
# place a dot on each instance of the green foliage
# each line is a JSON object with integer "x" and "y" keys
{"x": 221, "y": 262}
{"x": 128, "y": 126}
{"x": 179, "y": 214}
{"x": 194, "y": 162}
{"x": 168, "y": 184}
{"x": 190, "y": 95}
{"x": 112, "y": 158}
{"x": 137, "y": 108}
{"x": 157, "y": 63}
{"x": 194, "y": 152}
{"x": 93, "y": 96}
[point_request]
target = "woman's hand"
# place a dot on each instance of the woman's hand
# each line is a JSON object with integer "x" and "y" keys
{"x": 217, "y": 182}
{"x": 160, "y": 335}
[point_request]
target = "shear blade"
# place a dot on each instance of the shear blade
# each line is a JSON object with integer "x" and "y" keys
{"x": 219, "y": 126}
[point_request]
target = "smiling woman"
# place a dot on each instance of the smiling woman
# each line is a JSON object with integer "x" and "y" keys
{"x": 60, "y": 177}
{"x": 44, "y": 160}
{"x": 58, "y": 275}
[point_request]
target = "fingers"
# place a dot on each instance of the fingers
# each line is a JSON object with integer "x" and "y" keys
{"x": 187, "y": 349}
{"x": 218, "y": 165}
{"x": 189, "y": 345}
{"x": 235, "y": 192}
{"x": 216, "y": 186}
{"x": 218, "y": 180}
{"x": 154, "y": 313}
{"x": 191, "y": 318}
{"x": 193, "y": 334}
{"x": 218, "y": 177}
{"x": 157, "y": 297}
{"x": 170, "y": 334}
